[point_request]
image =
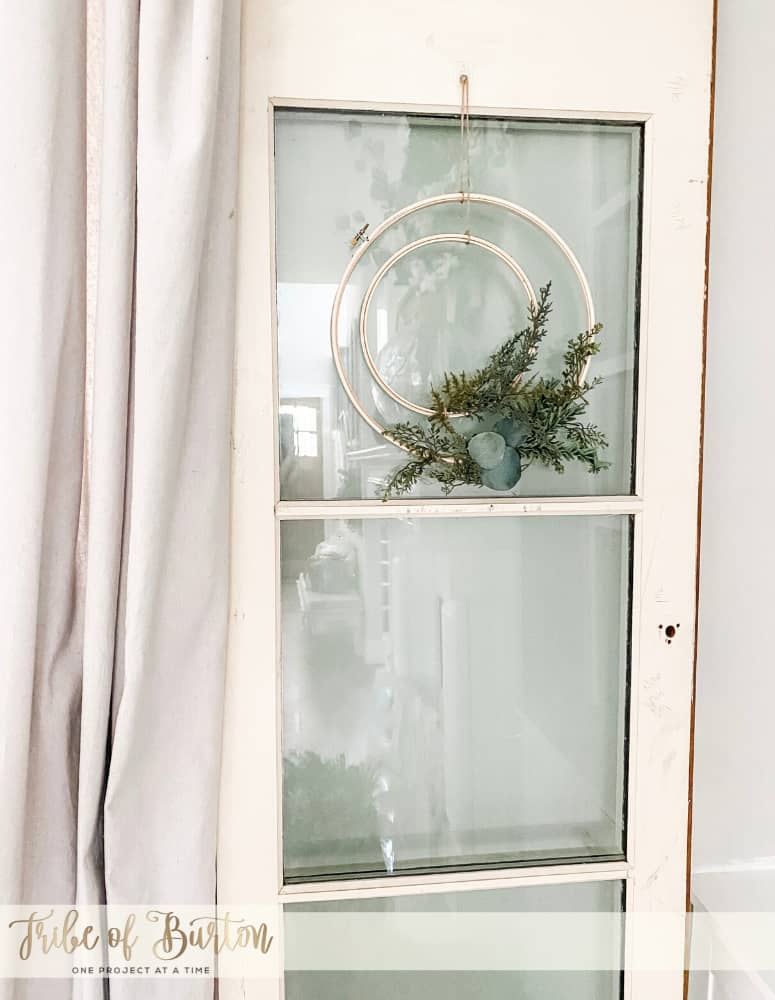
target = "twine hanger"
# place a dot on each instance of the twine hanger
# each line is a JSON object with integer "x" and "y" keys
{"x": 464, "y": 168}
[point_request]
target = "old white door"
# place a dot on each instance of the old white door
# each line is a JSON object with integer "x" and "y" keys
{"x": 478, "y": 702}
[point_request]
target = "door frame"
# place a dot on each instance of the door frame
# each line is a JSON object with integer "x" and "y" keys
{"x": 664, "y": 504}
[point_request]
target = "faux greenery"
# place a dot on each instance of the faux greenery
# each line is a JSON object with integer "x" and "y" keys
{"x": 512, "y": 417}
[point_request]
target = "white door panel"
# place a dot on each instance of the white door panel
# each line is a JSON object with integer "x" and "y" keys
{"x": 647, "y": 64}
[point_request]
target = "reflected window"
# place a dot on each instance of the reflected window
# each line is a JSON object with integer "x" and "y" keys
{"x": 299, "y": 431}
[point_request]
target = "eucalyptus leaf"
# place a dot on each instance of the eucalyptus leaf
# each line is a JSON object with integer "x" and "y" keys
{"x": 487, "y": 449}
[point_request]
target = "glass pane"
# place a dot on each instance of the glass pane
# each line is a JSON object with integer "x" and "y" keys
{"x": 477, "y": 983}
{"x": 453, "y": 692}
{"x": 446, "y": 306}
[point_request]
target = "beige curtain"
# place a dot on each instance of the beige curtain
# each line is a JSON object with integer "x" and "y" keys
{"x": 114, "y": 555}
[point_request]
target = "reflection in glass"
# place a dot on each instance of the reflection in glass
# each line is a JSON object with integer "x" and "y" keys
{"x": 447, "y": 307}
{"x": 453, "y": 692}
{"x": 477, "y": 984}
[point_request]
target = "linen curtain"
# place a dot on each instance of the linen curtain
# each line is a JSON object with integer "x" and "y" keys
{"x": 115, "y": 454}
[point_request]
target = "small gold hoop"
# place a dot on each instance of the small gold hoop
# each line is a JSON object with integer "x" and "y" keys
{"x": 443, "y": 199}
{"x": 398, "y": 255}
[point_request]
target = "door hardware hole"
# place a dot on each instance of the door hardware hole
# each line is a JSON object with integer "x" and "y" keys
{"x": 670, "y": 631}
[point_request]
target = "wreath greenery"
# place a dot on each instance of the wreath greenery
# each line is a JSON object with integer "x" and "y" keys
{"x": 510, "y": 417}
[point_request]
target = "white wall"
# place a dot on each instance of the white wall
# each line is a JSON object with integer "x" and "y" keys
{"x": 734, "y": 797}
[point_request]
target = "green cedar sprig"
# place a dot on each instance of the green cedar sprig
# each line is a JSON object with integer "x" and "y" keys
{"x": 551, "y": 409}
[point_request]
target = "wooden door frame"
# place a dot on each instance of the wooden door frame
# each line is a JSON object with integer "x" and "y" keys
{"x": 672, "y": 306}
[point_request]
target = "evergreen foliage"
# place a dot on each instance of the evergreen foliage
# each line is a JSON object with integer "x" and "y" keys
{"x": 548, "y": 411}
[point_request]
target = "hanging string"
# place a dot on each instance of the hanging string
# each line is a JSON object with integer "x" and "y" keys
{"x": 465, "y": 151}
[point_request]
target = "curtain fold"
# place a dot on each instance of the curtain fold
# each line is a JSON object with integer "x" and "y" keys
{"x": 114, "y": 662}
{"x": 42, "y": 350}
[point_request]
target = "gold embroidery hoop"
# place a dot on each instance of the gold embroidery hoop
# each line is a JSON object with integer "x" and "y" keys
{"x": 392, "y": 220}
{"x": 469, "y": 240}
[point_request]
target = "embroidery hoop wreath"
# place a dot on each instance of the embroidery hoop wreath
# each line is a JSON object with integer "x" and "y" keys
{"x": 486, "y": 427}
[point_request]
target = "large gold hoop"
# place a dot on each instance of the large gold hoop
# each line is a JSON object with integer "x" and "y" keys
{"x": 392, "y": 220}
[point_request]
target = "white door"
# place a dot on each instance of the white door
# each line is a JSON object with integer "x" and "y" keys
{"x": 478, "y": 701}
